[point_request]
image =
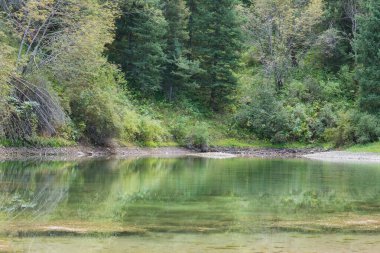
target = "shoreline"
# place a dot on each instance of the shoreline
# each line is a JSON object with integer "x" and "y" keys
{"x": 88, "y": 152}
{"x": 346, "y": 156}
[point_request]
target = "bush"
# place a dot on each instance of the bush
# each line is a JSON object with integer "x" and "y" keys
{"x": 354, "y": 127}
{"x": 331, "y": 90}
{"x": 299, "y": 122}
{"x": 198, "y": 137}
{"x": 180, "y": 128}
{"x": 131, "y": 126}
{"x": 265, "y": 116}
{"x": 151, "y": 132}
{"x": 22, "y": 122}
{"x": 344, "y": 132}
{"x": 308, "y": 122}
{"x": 349, "y": 87}
{"x": 368, "y": 128}
{"x": 98, "y": 112}
{"x": 296, "y": 91}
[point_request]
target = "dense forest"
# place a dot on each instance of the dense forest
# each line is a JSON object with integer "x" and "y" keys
{"x": 189, "y": 72}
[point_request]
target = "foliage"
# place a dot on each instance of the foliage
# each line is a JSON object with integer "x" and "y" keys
{"x": 7, "y": 66}
{"x": 215, "y": 42}
{"x": 265, "y": 116}
{"x": 97, "y": 113}
{"x": 355, "y": 127}
{"x": 139, "y": 45}
{"x": 198, "y": 73}
{"x": 152, "y": 132}
{"x": 179, "y": 70}
{"x": 180, "y": 128}
{"x": 37, "y": 141}
{"x": 282, "y": 31}
{"x": 367, "y": 45}
{"x": 198, "y": 137}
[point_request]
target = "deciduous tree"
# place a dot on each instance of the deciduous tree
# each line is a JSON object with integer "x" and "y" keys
{"x": 282, "y": 30}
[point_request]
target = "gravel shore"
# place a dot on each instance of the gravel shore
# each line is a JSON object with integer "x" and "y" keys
{"x": 83, "y": 152}
{"x": 267, "y": 152}
{"x": 344, "y": 156}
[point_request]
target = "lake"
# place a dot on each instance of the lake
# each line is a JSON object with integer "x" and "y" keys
{"x": 189, "y": 204}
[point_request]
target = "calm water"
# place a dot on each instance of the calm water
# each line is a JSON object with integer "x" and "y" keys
{"x": 189, "y": 205}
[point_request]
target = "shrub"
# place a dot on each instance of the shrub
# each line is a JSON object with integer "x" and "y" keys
{"x": 299, "y": 122}
{"x": 331, "y": 90}
{"x": 98, "y": 111}
{"x": 368, "y": 128}
{"x": 349, "y": 87}
{"x": 296, "y": 91}
{"x": 180, "y": 128}
{"x": 280, "y": 137}
{"x": 199, "y": 137}
{"x": 344, "y": 132}
{"x": 314, "y": 89}
{"x": 354, "y": 127}
{"x": 265, "y": 116}
{"x": 151, "y": 132}
{"x": 131, "y": 126}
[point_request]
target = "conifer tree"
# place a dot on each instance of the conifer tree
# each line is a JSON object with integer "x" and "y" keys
{"x": 216, "y": 43}
{"x": 367, "y": 45}
{"x": 139, "y": 44}
{"x": 178, "y": 69}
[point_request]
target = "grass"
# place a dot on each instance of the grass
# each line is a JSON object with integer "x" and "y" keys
{"x": 152, "y": 144}
{"x": 39, "y": 142}
{"x": 55, "y": 142}
{"x": 237, "y": 143}
{"x": 300, "y": 145}
{"x": 372, "y": 148}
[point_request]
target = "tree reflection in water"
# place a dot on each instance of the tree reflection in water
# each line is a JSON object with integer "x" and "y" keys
{"x": 187, "y": 194}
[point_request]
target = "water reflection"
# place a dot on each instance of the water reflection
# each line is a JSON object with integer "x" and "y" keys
{"x": 32, "y": 189}
{"x": 186, "y": 195}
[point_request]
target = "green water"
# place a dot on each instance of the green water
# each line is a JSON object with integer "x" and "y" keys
{"x": 189, "y": 204}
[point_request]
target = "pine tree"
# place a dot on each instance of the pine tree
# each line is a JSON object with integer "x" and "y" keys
{"x": 178, "y": 69}
{"x": 367, "y": 45}
{"x": 216, "y": 43}
{"x": 139, "y": 44}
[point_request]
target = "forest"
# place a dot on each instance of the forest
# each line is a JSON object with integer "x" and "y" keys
{"x": 193, "y": 73}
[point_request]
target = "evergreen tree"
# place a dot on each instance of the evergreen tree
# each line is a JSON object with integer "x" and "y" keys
{"x": 368, "y": 44}
{"x": 216, "y": 42}
{"x": 178, "y": 69}
{"x": 139, "y": 44}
